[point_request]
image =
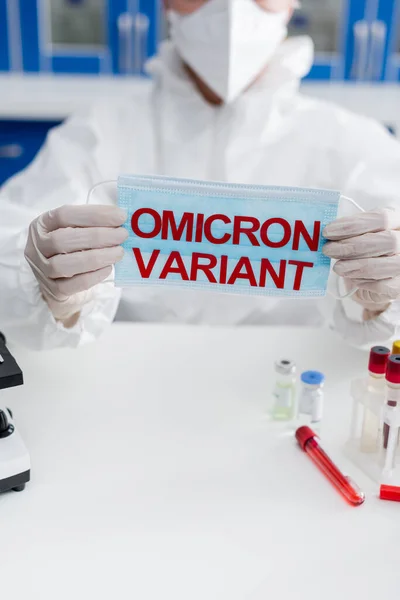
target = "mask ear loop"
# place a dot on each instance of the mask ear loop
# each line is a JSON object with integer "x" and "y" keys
{"x": 353, "y": 291}
{"x": 97, "y": 185}
{"x": 88, "y": 198}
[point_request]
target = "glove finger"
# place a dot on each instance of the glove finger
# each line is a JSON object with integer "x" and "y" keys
{"x": 68, "y": 265}
{"x": 369, "y": 268}
{"x": 275, "y": 5}
{"x": 371, "y": 302}
{"x": 63, "y": 288}
{"x": 63, "y": 309}
{"x": 383, "y": 290}
{"x": 369, "y": 245}
{"x": 368, "y": 222}
{"x": 72, "y": 239}
{"x": 82, "y": 215}
{"x": 368, "y": 299}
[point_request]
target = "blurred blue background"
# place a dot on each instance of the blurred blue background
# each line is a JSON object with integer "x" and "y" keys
{"x": 58, "y": 55}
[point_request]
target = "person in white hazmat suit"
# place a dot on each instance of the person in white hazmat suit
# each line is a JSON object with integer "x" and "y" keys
{"x": 223, "y": 105}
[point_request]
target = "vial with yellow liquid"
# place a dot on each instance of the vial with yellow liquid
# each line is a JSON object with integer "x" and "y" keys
{"x": 284, "y": 392}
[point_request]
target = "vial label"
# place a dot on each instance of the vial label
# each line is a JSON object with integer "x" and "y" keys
{"x": 283, "y": 408}
{"x": 392, "y": 396}
{"x": 306, "y": 404}
{"x": 311, "y": 405}
{"x": 316, "y": 412}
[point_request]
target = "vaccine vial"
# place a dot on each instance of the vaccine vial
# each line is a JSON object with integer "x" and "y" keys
{"x": 374, "y": 399}
{"x": 311, "y": 400}
{"x": 284, "y": 393}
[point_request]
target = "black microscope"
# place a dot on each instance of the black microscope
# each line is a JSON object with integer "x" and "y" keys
{"x": 14, "y": 458}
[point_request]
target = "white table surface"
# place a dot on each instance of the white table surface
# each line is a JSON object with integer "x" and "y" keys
{"x": 155, "y": 475}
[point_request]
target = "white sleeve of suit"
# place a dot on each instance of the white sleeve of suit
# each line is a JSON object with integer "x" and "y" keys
{"x": 62, "y": 173}
{"x": 373, "y": 181}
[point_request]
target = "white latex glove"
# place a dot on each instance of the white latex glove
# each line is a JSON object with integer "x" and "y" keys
{"x": 367, "y": 247}
{"x": 70, "y": 250}
{"x": 278, "y": 5}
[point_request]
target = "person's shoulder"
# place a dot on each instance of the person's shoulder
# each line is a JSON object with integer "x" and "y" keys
{"x": 336, "y": 125}
{"x": 117, "y": 109}
{"x": 339, "y": 118}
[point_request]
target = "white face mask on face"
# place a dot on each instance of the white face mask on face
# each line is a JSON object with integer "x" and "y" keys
{"x": 228, "y": 42}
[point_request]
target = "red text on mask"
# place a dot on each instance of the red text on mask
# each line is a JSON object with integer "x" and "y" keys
{"x": 239, "y": 230}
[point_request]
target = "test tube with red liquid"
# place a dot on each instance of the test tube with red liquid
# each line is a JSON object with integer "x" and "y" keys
{"x": 310, "y": 443}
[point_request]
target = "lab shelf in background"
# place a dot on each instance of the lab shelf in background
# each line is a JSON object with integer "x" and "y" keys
{"x": 357, "y": 40}
{"x": 34, "y": 96}
{"x": 79, "y": 36}
{"x": 57, "y": 96}
{"x": 389, "y": 14}
{"x": 339, "y": 30}
{"x": 31, "y": 104}
{"x": 4, "y": 41}
{"x": 117, "y": 36}
{"x": 375, "y": 100}
{"x": 20, "y": 141}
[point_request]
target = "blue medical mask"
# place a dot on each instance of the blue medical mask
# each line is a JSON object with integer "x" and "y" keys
{"x": 240, "y": 239}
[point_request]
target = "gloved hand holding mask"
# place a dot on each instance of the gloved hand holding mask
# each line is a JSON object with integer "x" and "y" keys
{"x": 70, "y": 250}
{"x": 367, "y": 249}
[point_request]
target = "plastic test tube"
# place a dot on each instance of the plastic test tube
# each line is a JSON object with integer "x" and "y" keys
{"x": 393, "y": 390}
{"x": 376, "y": 384}
{"x": 310, "y": 443}
{"x": 377, "y": 367}
{"x": 391, "y": 432}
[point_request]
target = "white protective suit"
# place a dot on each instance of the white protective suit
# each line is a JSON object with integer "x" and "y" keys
{"x": 270, "y": 135}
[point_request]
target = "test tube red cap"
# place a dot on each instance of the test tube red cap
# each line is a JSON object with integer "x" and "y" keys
{"x": 393, "y": 369}
{"x": 378, "y": 358}
{"x": 303, "y": 434}
{"x": 389, "y": 492}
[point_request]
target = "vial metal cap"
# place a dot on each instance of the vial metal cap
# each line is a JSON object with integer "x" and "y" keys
{"x": 393, "y": 369}
{"x": 312, "y": 378}
{"x": 378, "y": 358}
{"x": 285, "y": 367}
